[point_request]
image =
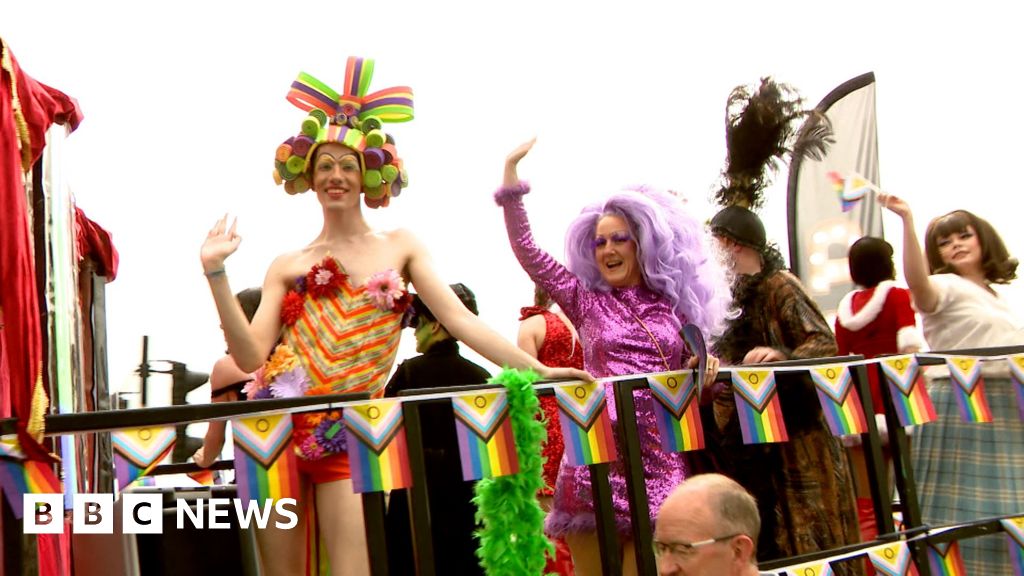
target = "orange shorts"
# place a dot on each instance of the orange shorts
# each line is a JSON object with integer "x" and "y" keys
{"x": 326, "y": 469}
{"x": 322, "y": 470}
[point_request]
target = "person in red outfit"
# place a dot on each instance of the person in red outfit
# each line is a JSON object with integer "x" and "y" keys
{"x": 874, "y": 320}
{"x": 548, "y": 336}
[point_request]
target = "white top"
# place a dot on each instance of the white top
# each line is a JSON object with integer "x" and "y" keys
{"x": 968, "y": 316}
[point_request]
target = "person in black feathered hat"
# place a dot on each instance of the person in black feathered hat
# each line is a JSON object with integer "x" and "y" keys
{"x": 802, "y": 486}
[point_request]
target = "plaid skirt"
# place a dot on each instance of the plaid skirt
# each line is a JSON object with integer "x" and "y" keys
{"x": 966, "y": 471}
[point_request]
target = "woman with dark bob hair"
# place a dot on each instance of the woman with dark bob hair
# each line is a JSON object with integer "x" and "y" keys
{"x": 965, "y": 471}
{"x": 873, "y": 320}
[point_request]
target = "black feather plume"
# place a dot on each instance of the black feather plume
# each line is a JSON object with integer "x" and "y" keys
{"x": 760, "y": 129}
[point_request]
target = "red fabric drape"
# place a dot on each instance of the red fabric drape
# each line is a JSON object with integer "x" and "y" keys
{"x": 24, "y": 118}
{"x": 95, "y": 244}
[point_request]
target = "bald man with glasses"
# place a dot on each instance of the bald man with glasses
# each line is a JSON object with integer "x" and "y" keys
{"x": 707, "y": 526}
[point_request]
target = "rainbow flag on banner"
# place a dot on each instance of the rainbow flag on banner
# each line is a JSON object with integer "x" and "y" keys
{"x": 379, "y": 455}
{"x": 138, "y": 450}
{"x": 969, "y": 388}
{"x": 1014, "y": 528}
{"x": 839, "y": 399}
{"x": 586, "y": 424}
{"x": 1017, "y": 372}
{"x": 812, "y": 569}
{"x": 944, "y": 559}
{"x": 487, "y": 446}
{"x": 265, "y": 464}
{"x": 18, "y": 478}
{"x": 892, "y": 559}
{"x": 908, "y": 390}
{"x": 757, "y": 406}
{"x": 677, "y": 411}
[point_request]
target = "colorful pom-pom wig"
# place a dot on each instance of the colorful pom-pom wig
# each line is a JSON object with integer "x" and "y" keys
{"x": 354, "y": 119}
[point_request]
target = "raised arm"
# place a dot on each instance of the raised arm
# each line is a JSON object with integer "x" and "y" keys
{"x": 463, "y": 324}
{"x": 553, "y": 277}
{"x": 915, "y": 268}
{"x": 250, "y": 344}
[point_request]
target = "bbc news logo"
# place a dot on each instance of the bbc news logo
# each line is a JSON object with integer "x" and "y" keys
{"x": 144, "y": 513}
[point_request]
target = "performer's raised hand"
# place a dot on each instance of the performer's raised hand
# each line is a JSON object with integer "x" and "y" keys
{"x": 512, "y": 161}
{"x": 221, "y": 242}
{"x": 895, "y": 204}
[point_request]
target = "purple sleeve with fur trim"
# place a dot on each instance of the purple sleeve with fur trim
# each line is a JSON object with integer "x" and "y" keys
{"x": 548, "y": 273}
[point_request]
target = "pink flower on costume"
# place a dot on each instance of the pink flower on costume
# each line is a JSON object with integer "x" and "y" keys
{"x": 385, "y": 288}
{"x": 256, "y": 388}
{"x": 291, "y": 384}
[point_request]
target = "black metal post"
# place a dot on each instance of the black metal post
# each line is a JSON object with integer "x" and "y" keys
{"x": 419, "y": 502}
{"x": 376, "y": 541}
{"x": 878, "y": 473}
{"x": 607, "y": 536}
{"x": 630, "y": 455}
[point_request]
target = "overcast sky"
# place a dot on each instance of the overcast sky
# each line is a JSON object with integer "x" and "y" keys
{"x": 184, "y": 105}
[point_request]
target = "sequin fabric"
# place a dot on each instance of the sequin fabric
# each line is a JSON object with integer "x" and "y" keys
{"x": 614, "y": 343}
{"x": 559, "y": 349}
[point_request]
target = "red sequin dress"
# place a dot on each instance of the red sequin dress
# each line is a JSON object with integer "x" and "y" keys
{"x": 559, "y": 349}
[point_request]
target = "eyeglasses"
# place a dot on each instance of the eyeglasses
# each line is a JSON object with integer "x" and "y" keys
{"x": 686, "y": 549}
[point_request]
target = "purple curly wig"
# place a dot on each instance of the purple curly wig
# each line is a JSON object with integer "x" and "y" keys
{"x": 673, "y": 250}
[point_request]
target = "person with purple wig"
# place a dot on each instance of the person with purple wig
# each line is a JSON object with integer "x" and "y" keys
{"x": 638, "y": 269}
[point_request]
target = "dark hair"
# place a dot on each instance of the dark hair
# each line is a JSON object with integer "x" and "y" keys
{"x": 998, "y": 266}
{"x": 250, "y": 301}
{"x": 871, "y": 262}
{"x": 541, "y": 297}
{"x": 420, "y": 309}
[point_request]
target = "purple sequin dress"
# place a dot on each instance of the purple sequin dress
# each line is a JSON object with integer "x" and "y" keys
{"x": 614, "y": 343}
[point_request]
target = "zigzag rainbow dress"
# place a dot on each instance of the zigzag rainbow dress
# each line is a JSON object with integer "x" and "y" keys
{"x": 345, "y": 338}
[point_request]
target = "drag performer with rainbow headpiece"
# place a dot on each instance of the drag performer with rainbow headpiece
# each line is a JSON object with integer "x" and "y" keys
{"x": 331, "y": 311}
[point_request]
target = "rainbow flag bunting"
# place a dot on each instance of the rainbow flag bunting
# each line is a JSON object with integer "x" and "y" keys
{"x": 586, "y": 424}
{"x": 203, "y": 477}
{"x": 852, "y": 189}
{"x": 812, "y": 569}
{"x": 18, "y": 478}
{"x": 944, "y": 559}
{"x": 758, "y": 407}
{"x": 969, "y": 388}
{"x": 10, "y": 447}
{"x": 265, "y": 464}
{"x": 908, "y": 390}
{"x": 677, "y": 411}
{"x": 486, "y": 444}
{"x": 892, "y": 559}
{"x": 1014, "y": 528}
{"x": 138, "y": 450}
{"x": 839, "y": 399}
{"x": 1017, "y": 372}
{"x": 379, "y": 455}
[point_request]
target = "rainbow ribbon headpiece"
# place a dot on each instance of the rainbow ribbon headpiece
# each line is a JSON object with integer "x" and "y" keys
{"x": 353, "y": 118}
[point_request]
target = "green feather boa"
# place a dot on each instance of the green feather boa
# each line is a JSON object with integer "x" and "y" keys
{"x": 512, "y": 541}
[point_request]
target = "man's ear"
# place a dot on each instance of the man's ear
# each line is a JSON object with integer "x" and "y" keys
{"x": 435, "y": 327}
{"x": 743, "y": 548}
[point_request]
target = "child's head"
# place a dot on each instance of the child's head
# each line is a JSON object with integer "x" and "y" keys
{"x": 871, "y": 262}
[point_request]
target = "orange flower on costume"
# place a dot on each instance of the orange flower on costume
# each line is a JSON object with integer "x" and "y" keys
{"x": 282, "y": 360}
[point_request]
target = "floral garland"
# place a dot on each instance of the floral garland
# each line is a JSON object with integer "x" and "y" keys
{"x": 512, "y": 540}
